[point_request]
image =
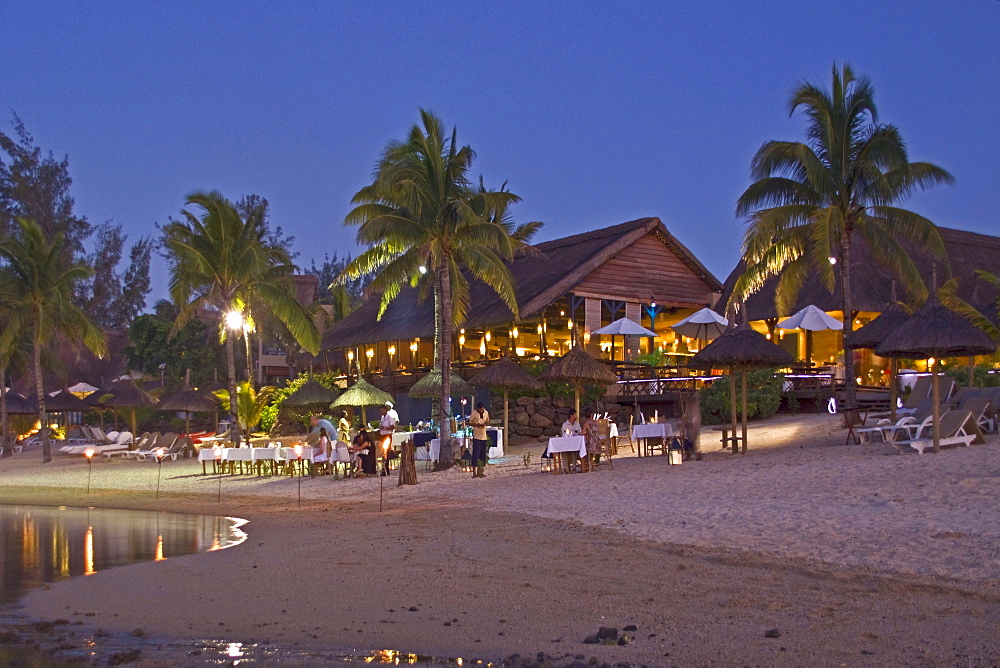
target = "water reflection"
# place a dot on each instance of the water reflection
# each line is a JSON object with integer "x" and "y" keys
{"x": 42, "y": 544}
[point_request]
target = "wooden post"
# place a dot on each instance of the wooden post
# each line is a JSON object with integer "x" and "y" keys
{"x": 407, "y": 464}
{"x": 692, "y": 420}
{"x": 893, "y": 391}
{"x": 936, "y": 398}
{"x": 506, "y": 416}
{"x": 743, "y": 382}
{"x": 732, "y": 406}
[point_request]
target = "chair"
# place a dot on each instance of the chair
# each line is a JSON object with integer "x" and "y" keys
{"x": 955, "y": 428}
{"x": 655, "y": 443}
{"x": 165, "y": 441}
{"x": 142, "y": 444}
{"x": 978, "y": 406}
{"x": 604, "y": 456}
{"x": 624, "y": 436}
{"x": 341, "y": 457}
{"x": 174, "y": 450}
{"x": 887, "y": 430}
{"x": 921, "y": 390}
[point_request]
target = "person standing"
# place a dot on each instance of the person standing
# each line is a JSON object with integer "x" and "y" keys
{"x": 318, "y": 422}
{"x": 344, "y": 428}
{"x": 387, "y": 426}
{"x": 479, "y": 420}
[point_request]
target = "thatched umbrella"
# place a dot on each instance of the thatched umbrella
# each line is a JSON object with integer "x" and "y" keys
{"x": 189, "y": 401}
{"x": 311, "y": 394}
{"x": 507, "y": 374}
{"x": 577, "y": 366}
{"x": 429, "y": 387}
{"x": 936, "y": 331}
{"x": 740, "y": 348}
{"x": 18, "y": 404}
{"x": 362, "y": 394}
{"x": 64, "y": 401}
{"x": 130, "y": 395}
{"x": 875, "y": 332}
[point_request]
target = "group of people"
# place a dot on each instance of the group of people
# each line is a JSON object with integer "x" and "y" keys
{"x": 363, "y": 446}
{"x": 591, "y": 433}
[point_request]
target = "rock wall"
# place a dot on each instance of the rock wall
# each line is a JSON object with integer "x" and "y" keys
{"x": 540, "y": 417}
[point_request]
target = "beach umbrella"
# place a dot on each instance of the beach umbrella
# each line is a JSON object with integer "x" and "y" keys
{"x": 742, "y": 348}
{"x": 18, "y": 404}
{"x": 872, "y": 334}
{"x": 935, "y": 331}
{"x": 362, "y": 394}
{"x": 64, "y": 401}
{"x": 704, "y": 324}
{"x": 82, "y": 388}
{"x": 311, "y": 394}
{"x": 129, "y": 395}
{"x": 623, "y": 327}
{"x": 577, "y": 367}
{"x": 189, "y": 401}
{"x": 811, "y": 319}
{"x": 429, "y": 387}
{"x": 507, "y": 374}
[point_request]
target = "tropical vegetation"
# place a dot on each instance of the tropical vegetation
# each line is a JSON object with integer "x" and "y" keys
{"x": 222, "y": 260}
{"x": 812, "y": 201}
{"x": 424, "y": 224}
{"x": 38, "y": 286}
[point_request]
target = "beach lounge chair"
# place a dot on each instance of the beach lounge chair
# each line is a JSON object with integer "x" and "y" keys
{"x": 140, "y": 443}
{"x": 978, "y": 407}
{"x": 887, "y": 430}
{"x": 921, "y": 390}
{"x": 165, "y": 441}
{"x": 957, "y": 428}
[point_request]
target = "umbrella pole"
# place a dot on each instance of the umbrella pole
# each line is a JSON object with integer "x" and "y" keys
{"x": 743, "y": 381}
{"x": 133, "y": 428}
{"x": 506, "y": 416}
{"x": 732, "y": 407}
{"x": 809, "y": 348}
{"x": 972, "y": 371}
{"x": 936, "y": 397}
{"x": 576, "y": 392}
{"x": 893, "y": 393}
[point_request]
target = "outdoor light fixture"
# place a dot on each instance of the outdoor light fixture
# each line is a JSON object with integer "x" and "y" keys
{"x": 482, "y": 347}
{"x": 832, "y": 260}
{"x": 160, "y": 452}
{"x": 370, "y": 353}
{"x": 519, "y": 351}
{"x": 89, "y": 454}
{"x": 392, "y": 350}
{"x": 234, "y": 320}
{"x": 461, "y": 339}
{"x": 422, "y": 269}
{"x": 298, "y": 456}
{"x": 350, "y": 355}
{"x": 414, "y": 346}
{"x": 489, "y": 337}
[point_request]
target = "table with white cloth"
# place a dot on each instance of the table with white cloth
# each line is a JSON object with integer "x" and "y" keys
{"x": 641, "y": 432}
{"x": 433, "y": 451}
{"x": 209, "y": 455}
{"x": 558, "y": 445}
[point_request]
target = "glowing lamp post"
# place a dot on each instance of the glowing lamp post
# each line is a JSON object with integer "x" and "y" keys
{"x": 159, "y": 453}
{"x": 89, "y": 454}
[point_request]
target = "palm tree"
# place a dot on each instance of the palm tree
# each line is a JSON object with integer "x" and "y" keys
{"x": 426, "y": 226}
{"x": 223, "y": 261}
{"x": 812, "y": 200}
{"x": 40, "y": 284}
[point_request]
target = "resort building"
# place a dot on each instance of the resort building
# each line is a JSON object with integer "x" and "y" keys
{"x": 566, "y": 289}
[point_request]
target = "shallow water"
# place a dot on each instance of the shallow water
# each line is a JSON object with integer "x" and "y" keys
{"x": 40, "y": 544}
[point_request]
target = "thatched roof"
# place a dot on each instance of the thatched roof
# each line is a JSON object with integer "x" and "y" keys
{"x": 94, "y": 398}
{"x": 429, "y": 387}
{"x": 189, "y": 401}
{"x": 65, "y": 401}
{"x": 505, "y": 372}
{"x": 131, "y": 395}
{"x": 936, "y": 331}
{"x": 311, "y": 393}
{"x": 740, "y": 346}
{"x": 17, "y": 404}
{"x": 541, "y": 278}
{"x": 871, "y": 281}
{"x": 362, "y": 393}
{"x": 578, "y": 365}
{"x": 879, "y": 328}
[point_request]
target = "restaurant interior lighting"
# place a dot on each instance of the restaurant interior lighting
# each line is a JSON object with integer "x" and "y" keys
{"x": 514, "y": 333}
{"x": 482, "y": 347}
{"x": 519, "y": 351}
{"x": 461, "y": 339}
{"x": 488, "y": 336}
{"x": 350, "y": 355}
{"x": 414, "y": 346}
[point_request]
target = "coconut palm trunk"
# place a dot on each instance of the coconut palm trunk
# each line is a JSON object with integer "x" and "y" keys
{"x": 234, "y": 422}
{"x": 445, "y": 458}
{"x": 845, "y": 286}
{"x": 40, "y": 395}
{"x": 4, "y": 417}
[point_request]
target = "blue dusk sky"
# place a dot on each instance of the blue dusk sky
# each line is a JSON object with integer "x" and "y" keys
{"x": 595, "y": 112}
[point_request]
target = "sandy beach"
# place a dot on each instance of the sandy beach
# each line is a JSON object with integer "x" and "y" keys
{"x": 854, "y": 555}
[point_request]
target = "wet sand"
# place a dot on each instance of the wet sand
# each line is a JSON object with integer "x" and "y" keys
{"x": 525, "y": 562}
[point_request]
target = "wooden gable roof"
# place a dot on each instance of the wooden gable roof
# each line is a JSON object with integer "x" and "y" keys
{"x": 559, "y": 266}
{"x": 871, "y": 281}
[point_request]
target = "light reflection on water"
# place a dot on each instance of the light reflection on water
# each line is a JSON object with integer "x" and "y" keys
{"x": 40, "y": 544}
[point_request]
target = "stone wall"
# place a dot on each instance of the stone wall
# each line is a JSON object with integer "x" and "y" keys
{"x": 533, "y": 418}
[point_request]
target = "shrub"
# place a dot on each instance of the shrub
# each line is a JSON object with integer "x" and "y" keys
{"x": 763, "y": 397}
{"x": 981, "y": 376}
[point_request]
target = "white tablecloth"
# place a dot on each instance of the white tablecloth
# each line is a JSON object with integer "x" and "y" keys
{"x": 568, "y": 444}
{"x": 658, "y": 430}
{"x": 399, "y": 436}
{"x": 435, "y": 447}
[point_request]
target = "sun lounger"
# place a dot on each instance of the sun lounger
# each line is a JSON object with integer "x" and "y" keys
{"x": 164, "y": 441}
{"x": 955, "y": 430}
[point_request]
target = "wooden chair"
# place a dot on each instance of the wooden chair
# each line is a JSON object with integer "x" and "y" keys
{"x": 654, "y": 444}
{"x": 626, "y": 436}
{"x": 604, "y": 457}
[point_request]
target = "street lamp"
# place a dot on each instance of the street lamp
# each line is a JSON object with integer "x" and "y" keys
{"x": 159, "y": 469}
{"x": 89, "y": 454}
{"x": 234, "y": 320}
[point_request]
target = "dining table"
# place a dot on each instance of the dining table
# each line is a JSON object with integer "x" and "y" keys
{"x": 642, "y": 432}
{"x": 559, "y": 445}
